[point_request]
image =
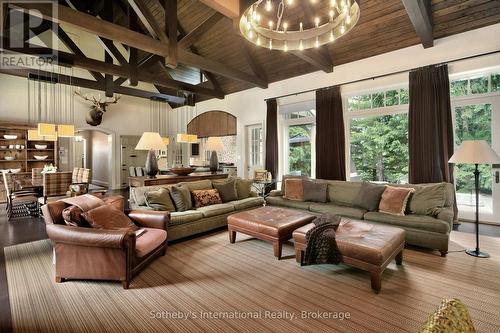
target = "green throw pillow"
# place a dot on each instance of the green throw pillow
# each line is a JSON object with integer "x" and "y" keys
{"x": 181, "y": 197}
{"x": 428, "y": 199}
{"x": 369, "y": 196}
{"x": 227, "y": 190}
{"x": 159, "y": 200}
{"x": 243, "y": 188}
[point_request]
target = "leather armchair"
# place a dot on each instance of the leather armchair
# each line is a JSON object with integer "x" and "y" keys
{"x": 99, "y": 254}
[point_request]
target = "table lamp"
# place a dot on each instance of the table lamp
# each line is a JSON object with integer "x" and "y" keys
{"x": 151, "y": 141}
{"x": 475, "y": 152}
{"x": 214, "y": 144}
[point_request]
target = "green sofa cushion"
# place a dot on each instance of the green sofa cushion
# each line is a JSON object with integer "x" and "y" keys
{"x": 422, "y": 222}
{"x": 280, "y": 201}
{"x": 247, "y": 203}
{"x": 343, "y": 193}
{"x": 184, "y": 217}
{"x": 352, "y": 212}
{"x": 160, "y": 200}
{"x": 243, "y": 188}
{"x": 197, "y": 185}
{"x": 217, "y": 209}
{"x": 137, "y": 193}
{"x": 427, "y": 200}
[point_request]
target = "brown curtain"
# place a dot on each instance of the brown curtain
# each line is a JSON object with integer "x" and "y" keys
{"x": 430, "y": 126}
{"x": 272, "y": 137}
{"x": 330, "y": 135}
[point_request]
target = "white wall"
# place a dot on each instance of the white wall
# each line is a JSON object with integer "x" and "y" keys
{"x": 250, "y": 108}
{"x": 100, "y": 158}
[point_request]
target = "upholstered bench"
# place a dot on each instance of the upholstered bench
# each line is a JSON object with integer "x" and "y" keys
{"x": 272, "y": 224}
{"x": 362, "y": 245}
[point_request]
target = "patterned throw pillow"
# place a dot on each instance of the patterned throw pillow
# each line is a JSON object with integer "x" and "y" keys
{"x": 394, "y": 200}
{"x": 72, "y": 216}
{"x": 206, "y": 198}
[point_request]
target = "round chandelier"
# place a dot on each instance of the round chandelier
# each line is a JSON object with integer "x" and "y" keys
{"x": 298, "y": 25}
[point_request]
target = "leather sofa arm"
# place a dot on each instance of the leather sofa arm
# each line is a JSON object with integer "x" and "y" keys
{"x": 88, "y": 236}
{"x": 150, "y": 219}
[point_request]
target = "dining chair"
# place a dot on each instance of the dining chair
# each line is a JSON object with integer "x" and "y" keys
{"x": 19, "y": 203}
{"x": 80, "y": 180}
{"x": 56, "y": 184}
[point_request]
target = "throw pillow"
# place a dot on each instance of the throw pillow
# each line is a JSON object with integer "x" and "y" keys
{"x": 294, "y": 189}
{"x": 427, "y": 199}
{"x": 181, "y": 197}
{"x": 243, "y": 188}
{"x": 369, "y": 196}
{"x": 394, "y": 200}
{"x": 159, "y": 200}
{"x": 315, "y": 191}
{"x": 198, "y": 185}
{"x": 285, "y": 177}
{"x": 227, "y": 190}
{"x": 109, "y": 217}
{"x": 206, "y": 198}
{"x": 84, "y": 202}
{"x": 72, "y": 216}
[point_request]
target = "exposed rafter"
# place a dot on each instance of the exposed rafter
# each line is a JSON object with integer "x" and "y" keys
{"x": 250, "y": 57}
{"x": 111, "y": 69}
{"x": 194, "y": 35}
{"x": 230, "y": 9}
{"x": 317, "y": 58}
{"x": 131, "y": 38}
{"x": 420, "y": 14}
{"x": 107, "y": 14}
{"x": 148, "y": 20}
{"x": 171, "y": 25}
{"x": 90, "y": 84}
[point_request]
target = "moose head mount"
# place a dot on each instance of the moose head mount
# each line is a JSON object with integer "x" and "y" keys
{"x": 97, "y": 109}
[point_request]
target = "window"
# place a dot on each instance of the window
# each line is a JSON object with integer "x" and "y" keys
{"x": 475, "y": 85}
{"x": 299, "y": 133}
{"x": 378, "y": 136}
{"x": 378, "y": 100}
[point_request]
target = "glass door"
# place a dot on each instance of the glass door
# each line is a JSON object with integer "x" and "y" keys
{"x": 254, "y": 149}
{"x": 478, "y": 119}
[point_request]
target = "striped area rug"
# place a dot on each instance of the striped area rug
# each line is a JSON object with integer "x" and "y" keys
{"x": 208, "y": 285}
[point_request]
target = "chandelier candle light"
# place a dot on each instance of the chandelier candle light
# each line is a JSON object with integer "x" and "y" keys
{"x": 265, "y": 23}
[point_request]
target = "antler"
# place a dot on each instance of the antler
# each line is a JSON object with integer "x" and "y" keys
{"x": 77, "y": 92}
{"x": 114, "y": 100}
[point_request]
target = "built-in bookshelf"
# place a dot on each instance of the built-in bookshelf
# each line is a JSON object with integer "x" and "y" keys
{"x": 17, "y": 155}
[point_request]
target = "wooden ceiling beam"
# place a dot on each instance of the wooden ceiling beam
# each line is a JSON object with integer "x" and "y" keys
{"x": 194, "y": 35}
{"x": 148, "y": 20}
{"x": 229, "y": 8}
{"x": 249, "y": 54}
{"x": 420, "y": 13}
{"x": 316, "y": 58}
{"x": 107, "y": 14}
{"x": 122, "y": 71}
{"x": 133, "y": 53}
{"x": 171, "y": 26}
{"x": 131, "y": 38}
{"x": 85, "y": 83}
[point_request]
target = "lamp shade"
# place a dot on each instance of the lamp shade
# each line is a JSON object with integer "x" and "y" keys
{"x": 166, "y": 140}
{"x": 186, "y": 138}
{"x": 475, "y": 152}
{"x": 45, "y": 129}
{"x": 66, "y": 131}
{"x": 214, "y": 143}
{"x": 150, "y": 140}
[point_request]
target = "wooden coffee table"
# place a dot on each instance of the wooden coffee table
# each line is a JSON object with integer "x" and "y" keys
{"x": 273, "y": 224}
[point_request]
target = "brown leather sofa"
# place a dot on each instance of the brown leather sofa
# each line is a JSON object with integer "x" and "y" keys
{"x": 98, "y": 254}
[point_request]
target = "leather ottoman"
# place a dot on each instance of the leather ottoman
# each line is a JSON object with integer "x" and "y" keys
{"x": 272, "y": 224}
{"x": 366, "y": 246}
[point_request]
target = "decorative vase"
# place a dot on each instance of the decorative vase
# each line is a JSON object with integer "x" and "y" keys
{"x": 214, "y": 162}
{"x": 151, "y": 167}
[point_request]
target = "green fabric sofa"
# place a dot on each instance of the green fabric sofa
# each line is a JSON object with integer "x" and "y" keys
{"x": 422, "y": 230}
{"x": 195, "y": 221}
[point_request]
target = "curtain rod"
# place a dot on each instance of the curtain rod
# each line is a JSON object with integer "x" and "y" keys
{"x": 384, "y": 75}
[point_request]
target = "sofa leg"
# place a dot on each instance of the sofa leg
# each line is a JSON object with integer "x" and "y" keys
{"x": 399, "y": 258}
{"x": 232, "y": 236}
{"x": 443, "y": 253}
{"x": 125, "y": 284}
{"x": 277, "y": 247}
{"x": 376, "y": 281}
{"x": 59, "y": 279}
{"x": 163, "y": 252}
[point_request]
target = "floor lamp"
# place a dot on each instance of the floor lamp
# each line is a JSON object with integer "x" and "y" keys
{"x": 475, "y": 152}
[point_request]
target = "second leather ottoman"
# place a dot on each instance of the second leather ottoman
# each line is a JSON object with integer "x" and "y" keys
{"x": 272, "y": 224}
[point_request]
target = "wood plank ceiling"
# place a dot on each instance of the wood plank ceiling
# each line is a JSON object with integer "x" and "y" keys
{"x": 384, "y": 26}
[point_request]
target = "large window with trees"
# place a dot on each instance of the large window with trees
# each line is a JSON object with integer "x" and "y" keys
{"x": 299, "y": 134}
{"x": 377, "y": 125}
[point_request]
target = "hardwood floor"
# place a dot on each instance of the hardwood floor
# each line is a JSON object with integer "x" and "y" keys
{"x": 24, "y": 230}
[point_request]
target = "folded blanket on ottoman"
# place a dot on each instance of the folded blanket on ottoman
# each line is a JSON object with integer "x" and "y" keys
{"x": 321, "y": 244}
